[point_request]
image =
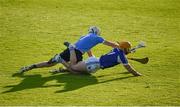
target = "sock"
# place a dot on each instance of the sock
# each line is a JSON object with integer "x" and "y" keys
{"x": 33, "y": 66}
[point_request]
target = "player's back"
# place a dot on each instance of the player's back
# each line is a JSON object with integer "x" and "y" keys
{"x": 113, "y": 58}
{"x": 85, "y": 43}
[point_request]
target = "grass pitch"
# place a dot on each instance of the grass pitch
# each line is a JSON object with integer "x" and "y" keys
{"x": 34, "y": 30}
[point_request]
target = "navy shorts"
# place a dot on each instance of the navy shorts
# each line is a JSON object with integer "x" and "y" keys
{"x": 66, "y": 56}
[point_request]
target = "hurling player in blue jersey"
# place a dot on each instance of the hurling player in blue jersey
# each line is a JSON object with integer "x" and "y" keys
{"x": 92, "y": 64}
{"x": 83, "y": 45}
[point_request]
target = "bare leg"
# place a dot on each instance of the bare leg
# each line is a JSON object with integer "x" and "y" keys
{"x": 73, "y": 67}
{"x": 73, "y": 59}
{"x": 44, "y": 64}
{"x": 80, "y": 66}
{"x": 37, "y": 65}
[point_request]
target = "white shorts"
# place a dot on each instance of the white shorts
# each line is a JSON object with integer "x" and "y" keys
{"x": 92, "y": 64}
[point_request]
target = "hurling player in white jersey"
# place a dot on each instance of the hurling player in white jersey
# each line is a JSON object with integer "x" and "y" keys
{"x": 92, "y": 64}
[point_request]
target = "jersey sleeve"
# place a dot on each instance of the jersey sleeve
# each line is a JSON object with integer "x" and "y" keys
{"x": 124, "y": 60}
{"x": 100, "y": 39}
{"x": 121, "y": 56}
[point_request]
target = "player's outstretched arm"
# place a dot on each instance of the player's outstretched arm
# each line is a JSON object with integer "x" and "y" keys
{"x": 132, "y": 70}
{"x": 111, "y": 44}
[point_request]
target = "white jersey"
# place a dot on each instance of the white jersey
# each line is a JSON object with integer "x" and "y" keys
{"x": 92, "y": 64}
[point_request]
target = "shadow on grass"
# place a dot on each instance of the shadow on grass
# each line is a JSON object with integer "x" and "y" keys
{"x": 68, "y": 81}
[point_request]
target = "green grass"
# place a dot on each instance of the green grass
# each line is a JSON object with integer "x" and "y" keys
{"x": 34, "y": 30}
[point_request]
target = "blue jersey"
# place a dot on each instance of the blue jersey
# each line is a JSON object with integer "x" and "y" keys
{"x": 116, "y": 56}
{"x": 85, "y": 43}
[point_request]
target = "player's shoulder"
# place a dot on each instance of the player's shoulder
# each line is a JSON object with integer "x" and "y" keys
{"x": 120, "y": 50}
{"x": 96, "y": 37}
{"x": 117, "y": 50}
